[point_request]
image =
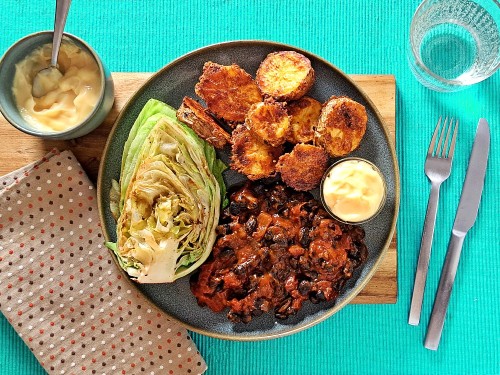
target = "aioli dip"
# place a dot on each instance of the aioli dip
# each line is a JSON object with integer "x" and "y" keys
{"x": 353, "y": 190}
{"x": 70, "y": 100}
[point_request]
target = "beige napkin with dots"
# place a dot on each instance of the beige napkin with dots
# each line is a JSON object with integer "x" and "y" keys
{"x": 61, "y": 290}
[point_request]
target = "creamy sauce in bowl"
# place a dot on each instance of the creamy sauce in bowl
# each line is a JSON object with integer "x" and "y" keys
{"x": 70, "y": 100}
{"x": 353, "y": 190}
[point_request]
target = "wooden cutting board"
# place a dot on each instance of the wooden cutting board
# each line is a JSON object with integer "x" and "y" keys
{"x": 18, "y": 149}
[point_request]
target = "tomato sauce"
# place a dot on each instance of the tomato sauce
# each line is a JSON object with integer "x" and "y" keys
{"x": 276, "y": 249}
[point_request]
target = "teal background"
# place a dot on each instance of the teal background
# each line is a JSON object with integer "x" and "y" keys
{"x": 359, "y": 37}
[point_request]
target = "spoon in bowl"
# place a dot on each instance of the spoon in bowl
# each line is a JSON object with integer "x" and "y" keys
{"x": 47, "y": 79}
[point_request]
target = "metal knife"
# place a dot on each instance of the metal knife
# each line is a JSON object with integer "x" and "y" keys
{"x": 464, "y": 220}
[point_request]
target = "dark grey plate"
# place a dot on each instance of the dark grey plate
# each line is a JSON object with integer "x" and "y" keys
{"x": 177, "y": 80}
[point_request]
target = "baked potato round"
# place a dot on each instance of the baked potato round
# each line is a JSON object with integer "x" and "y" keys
{"x": 285, "y": 75}
{"x": 341, "y": 125}
{"x": 304, "y": 114}
{"x": 228, "y": 91}
{"x": 270, "y": 121}
{"x": 303, "y": 168}
{"x": 251, "y": 156}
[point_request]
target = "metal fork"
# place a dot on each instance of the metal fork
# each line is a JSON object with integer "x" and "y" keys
{"x": 437, "y": 168}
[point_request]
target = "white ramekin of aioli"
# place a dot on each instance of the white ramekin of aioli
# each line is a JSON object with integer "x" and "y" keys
{"x": 76, "y": 105}
{"x": 353, "y": 190}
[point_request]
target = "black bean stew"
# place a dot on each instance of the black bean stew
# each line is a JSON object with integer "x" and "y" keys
{"x": 276, "y": 248}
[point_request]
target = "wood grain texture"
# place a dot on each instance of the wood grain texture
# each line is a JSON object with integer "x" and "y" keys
{"x": 18, "y": 149}
{"x": 383, "y": 287}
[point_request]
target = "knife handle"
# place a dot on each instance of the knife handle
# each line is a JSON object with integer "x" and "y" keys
{"x": 424, "y": 256}
{"x": 435, "y": 327}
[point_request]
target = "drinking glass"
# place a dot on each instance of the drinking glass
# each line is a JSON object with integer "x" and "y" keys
{"x": 454, "y": 43}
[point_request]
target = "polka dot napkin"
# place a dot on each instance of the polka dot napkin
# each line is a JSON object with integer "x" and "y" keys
{"x": 61, "y": 290}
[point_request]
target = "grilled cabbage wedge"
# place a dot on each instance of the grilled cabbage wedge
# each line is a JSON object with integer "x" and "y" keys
{"x": 169, "y": 198}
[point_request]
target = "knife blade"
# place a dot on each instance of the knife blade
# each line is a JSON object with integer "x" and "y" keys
{"x": 465, "y": 218}
{"x": 474, "y": 180}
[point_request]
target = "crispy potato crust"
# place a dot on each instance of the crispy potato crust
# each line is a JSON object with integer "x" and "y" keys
{"x": 228, "y": 91}
{"x": 285, "y": 75}
{"x": 193, "y": 114}
{"x": 304, "y": 114}
{"x": 270, "y": 121}
{"x": 341, "y": 125}
{"x": 303, "y": 168}
{"x": 251, "y": 156}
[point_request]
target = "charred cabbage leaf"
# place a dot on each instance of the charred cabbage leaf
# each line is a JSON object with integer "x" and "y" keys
{"x": 168, "y": 200}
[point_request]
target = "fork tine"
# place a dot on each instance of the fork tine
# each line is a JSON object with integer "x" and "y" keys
{"x": 446, "y": 143}
{"x": 434, "y": 136}
{"x": 441, "y": 137}
{"x": 453, "y": 141}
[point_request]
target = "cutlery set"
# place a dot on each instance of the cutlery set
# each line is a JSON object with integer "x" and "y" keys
{"x": 438, "y": 168}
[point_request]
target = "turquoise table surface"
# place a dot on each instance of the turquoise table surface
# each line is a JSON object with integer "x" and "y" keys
{"x": 360, "y": 37}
